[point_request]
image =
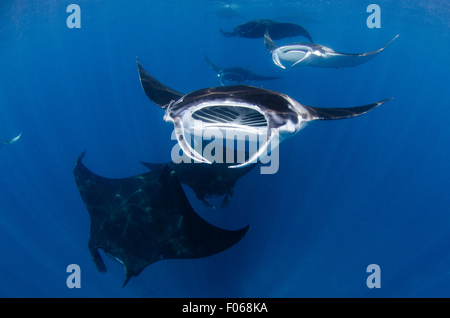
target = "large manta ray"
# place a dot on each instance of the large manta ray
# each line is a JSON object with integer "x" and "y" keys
{"x": 236, "y": 75}
{"x": 8, "y": 142}
{"x": 239, "y": 111}
{"x": 308, "y": 54}
{"x": 144, "y": 219}
{"x": 255, "y": 29}
{"x": 207, "y": 181}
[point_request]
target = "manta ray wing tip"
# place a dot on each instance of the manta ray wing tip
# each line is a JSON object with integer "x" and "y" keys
{"x": 17, "y": 138}
{"x": 80, "y": 157}
{"x": 127, "y": 279}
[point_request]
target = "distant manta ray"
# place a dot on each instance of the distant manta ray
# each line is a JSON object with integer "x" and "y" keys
{"x": 7, "y": 142}
{"x": 255, "y": 29}
{"x": 237, "y": 75}
{"x": 309, "y": 54}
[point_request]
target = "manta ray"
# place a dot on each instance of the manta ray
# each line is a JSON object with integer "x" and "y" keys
{"x": 255, "y": 29}
{"x": 146, "y": 218}
{"x": 236, "y": 75}
{"x": 207, "y": 181}
{"x": 7, "y": 142}
{"x": 239, "y": 111}
{"x": 308, "y": 54}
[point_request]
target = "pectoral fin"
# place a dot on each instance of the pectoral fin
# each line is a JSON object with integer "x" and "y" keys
{"x": 319, "y": 113}
{"x": 156, "y": 91}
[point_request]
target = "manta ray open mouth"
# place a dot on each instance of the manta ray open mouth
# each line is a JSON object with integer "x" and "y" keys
{"x": 232, "y": 126}
{"x": 230, "y": 115}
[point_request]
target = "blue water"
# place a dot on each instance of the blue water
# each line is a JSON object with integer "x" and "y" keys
{"x": 349, "y": 193}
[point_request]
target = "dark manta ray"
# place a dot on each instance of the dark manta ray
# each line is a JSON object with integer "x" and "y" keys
{"x": 236, "y": 75}
{"x": 7, "y": 142}
{"x": 144, "y": 219}
{"x": 255, "y": 29}
{"x": 308, "y": 54}
{"x": 240, "y": 111}
{"x": 206, "y": 180}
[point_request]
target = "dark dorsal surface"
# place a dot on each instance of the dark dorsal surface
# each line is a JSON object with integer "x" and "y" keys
{"x": 144, "y": 219}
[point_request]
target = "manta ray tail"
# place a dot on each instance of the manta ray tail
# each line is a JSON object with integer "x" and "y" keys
{"x": 319, "y": 113}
